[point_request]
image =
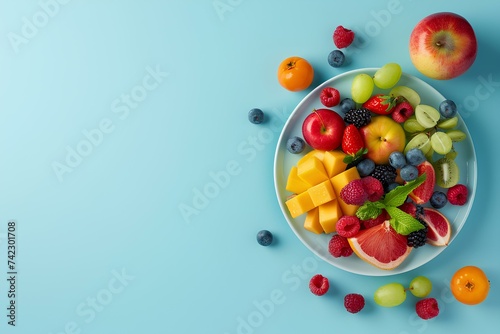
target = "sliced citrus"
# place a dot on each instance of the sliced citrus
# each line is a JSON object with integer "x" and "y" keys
{"x": 381, "y": 246}
{"x": 438, "y": 227}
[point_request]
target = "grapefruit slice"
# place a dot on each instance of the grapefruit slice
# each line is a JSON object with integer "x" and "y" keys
{"x": 380, "y": 246}
{"x": 423, "y": 193}
{"x": 438, "y": 227}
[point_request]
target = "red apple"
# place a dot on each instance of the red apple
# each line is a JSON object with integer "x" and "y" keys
{"x": 443, "y": 46}
{"x": 323, "y": 129}
{"x": 383, "y": 136}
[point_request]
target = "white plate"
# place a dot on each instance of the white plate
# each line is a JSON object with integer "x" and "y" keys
{"x": 318, "y": 244}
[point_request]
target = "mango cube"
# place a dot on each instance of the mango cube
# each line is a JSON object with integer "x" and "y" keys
{"x": 312, "y": 223}
{"x": 334, "y": 162}
{"x": 339, "y": 181}
{"x": 295, "y": 184}
{"x": 299, "y": 204}
{"x": 321, "y": 193}
{"x": 314, "y": 153}
{"x": 312, "y": 171}
{"x": 329, "y": 214}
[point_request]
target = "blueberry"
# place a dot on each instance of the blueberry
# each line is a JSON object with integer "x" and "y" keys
{"x": 295, "y": 145}
{"x": 448, "y": 109}
{"x": 438, "y": 199}
{"x": 408, "y": 173}
{"x": 415, "y": 156}
{"x": 392, "y": 185}
{"x": 347, "y": 104}
{"x": 256, "y": 116}
{"x": 336, "y": 58}
{"x": 264, "y": 237}
{"x": 365, "y": 167}
{"x": 397, "y": 159}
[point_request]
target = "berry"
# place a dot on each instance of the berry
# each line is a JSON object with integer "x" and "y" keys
{"x": 427, "y": 308}
{"x": 336, "y": 58}
{"x": 385, "y": 174}
{"x": 330, "y": 97}
{"x": 375, "y": 221}
{"x": 264, "y": 237}
{"x": 353, "y": 143}
{"x": 402, "y": 112}
{"x": 348, "y": 226}
{"x": 354, "y": 302}
{"x": 397, "y": 159}
{"x": 358, "y": 117}
{"x": 448, "y": 109}
{"x": 365, "y": 167}
{"x": 373, "y": 188}
{"x": 418, "y": 238}
{"x": 256, "y": 116}
{"x": 457, "y": 195}
{"x": 339, "y": 246}
{"x": 343, "y": 37}
{"x": 408, "y": 173}
{"x": 347, "y": 104}
{"x": 438, "y": 199}
{"x": 295, "y": 145}
{"x": 354, "y": 193}
{"x": 415, "y": 156}
{"x": 319, "y": 285}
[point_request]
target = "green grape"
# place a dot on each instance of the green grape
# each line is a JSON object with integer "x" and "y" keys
{"x": 390, "y": 295}
{"x": 420, "y": 141}
{"x": 411, "y": 125}
{"x": 409, "y": 94}
{"x": 449, "y": 123}
{"x": 441, "y": 143}
{"x": 456, "y": 135}
{"x": 420, "y": 286}
{"x": 427, "y": 116}
{"x": 387, "y": 76}
{"x": 362, "y": 88}
{"x": 451, "y": 155}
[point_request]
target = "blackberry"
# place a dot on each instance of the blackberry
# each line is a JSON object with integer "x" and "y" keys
{"x": 358, "y": 117}
{"x": 418, "y": 238}
{"x": 385, "y": 174}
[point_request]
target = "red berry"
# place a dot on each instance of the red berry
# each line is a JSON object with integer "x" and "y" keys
{"x": 343, "y": 37}
{"x": 402, "y": 112}
{"x": 366, "y": 224}
{"x": 330, "y": 97}
{"x": 354, "y": 302}
{"x": 373, "y": 188}
{"x": 352, "y": 141}
{"x": 348, "y": 226}
{"x": 427, "y": 308}
{"x": 457, "y": 195}
{"x": 339, "y": 246}
{"x": 354, "y": 193}
{"x": 319, "y": 285}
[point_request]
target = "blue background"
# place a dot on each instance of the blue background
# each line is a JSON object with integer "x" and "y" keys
{"x": 103, "y": 246}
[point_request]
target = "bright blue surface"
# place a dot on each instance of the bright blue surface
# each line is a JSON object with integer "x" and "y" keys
{"x": 103, "y": 246}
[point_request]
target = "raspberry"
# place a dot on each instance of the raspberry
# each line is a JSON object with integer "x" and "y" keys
{"x": 348, "y": 226}
{"x": 354, "y": 193}
{"x": 342, "y": 37}
{"x": 319, "y": 285}
{"x": 354, "y": 302}
{"x": 457, "y": 195}
{"x": 339, "y": 246}
{"x": 330, "y": 97}
{"x": 373, "y": 188}
{"x": 427, "y": 308}
{"x": 366, "y": 224}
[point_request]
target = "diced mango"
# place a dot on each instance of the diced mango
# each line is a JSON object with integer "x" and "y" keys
{"x": 340, "y": 181}
{"x": 314, "y": 153}
{"x": 295, "y": 184}
{"x": 334, "y": 162}
{"x": 312, "y": 223}
{"x": 312, "y": 171}
{"x": 299, "y": 204}
{"x": 321, "y": 193}
{"x": 329, "y": 214}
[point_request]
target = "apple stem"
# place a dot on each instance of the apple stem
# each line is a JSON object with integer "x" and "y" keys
{"x": 323, "y": 128}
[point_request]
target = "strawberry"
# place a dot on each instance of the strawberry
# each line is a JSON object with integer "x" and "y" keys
{"x": 353, "y": 144}
{"x": 342, "y": 37}
{"x": 381, "y": 104}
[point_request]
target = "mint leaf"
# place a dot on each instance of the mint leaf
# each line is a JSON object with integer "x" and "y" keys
{"x": 370, "y": 210}
{"x": 398, "y": 195}
{"x": 402, "y": 222}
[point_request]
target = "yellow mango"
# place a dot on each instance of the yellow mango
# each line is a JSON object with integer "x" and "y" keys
{"x": 312, "y": 223}
{"x": 295, "y": 184}
{"x": 312, "y": 171}
{"x": 314, "y": 153}
{"x": 329, "y": 214}
{"x": 334, "y": 162}
{"x": 321, "y": 193}
{"x": 339, "y": 181}
{"x": 299, "y": 204}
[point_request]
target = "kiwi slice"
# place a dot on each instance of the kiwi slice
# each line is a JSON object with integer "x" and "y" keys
{"x": 447, "y": 172}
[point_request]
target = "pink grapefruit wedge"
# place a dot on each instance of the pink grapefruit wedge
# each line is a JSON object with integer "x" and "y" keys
{"x": 438, "y": 227}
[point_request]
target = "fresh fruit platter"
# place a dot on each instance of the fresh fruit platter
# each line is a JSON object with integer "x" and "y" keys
{"x": 375, "y": 171}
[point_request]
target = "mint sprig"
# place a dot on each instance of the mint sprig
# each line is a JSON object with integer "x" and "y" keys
{"x": 401, "y": 222}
